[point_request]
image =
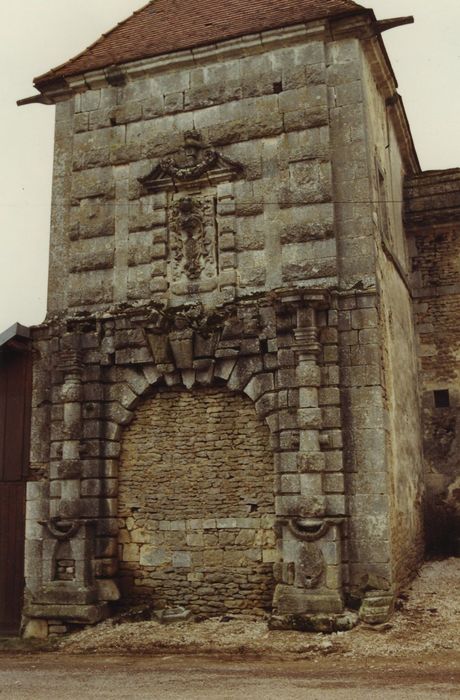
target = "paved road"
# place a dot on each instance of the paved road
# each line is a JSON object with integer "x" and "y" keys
{"x": 50, "y": 676}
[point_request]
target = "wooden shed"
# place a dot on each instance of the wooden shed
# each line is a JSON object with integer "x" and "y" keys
{"x": 15, "y": 404}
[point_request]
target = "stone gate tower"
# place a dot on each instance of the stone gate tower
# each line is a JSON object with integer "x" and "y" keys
{"x": 225, "y": 387}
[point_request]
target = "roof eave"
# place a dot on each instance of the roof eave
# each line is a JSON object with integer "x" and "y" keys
{"x": 14, "y": 334}
{"x": 46, "y": 82}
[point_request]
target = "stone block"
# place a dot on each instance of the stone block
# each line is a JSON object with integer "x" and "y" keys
{"x": 332, "y": 417}
{"x": 286, "y": 462}
{"x": 107, "y": 590}
{"x": 89, "y": 100}
{"x": 270, "y": 556}
{"x": 311, "y": 484}
{"x": 364, "y": 318}
{"x": 336, "y": 505}
{"x": 209, "y": 524}
{"x": 34, "y": 531}
{"x": 331, "y": 552}
{"x": 136, "y": 380}
{"x": 177, "y": 525}
{"x": 309, "y": 441}
{"x": 300, "y": 506}
{"x": 311, "y": 462}
{"x": 289, "y": 483}
{"x": 309, "y": 375}
{"x": 309, "y": 418}
{"x": 36, "y": 629}
{"x": 37, "y": 509}
{"x": 334, "y": 461}
{"x": 181, "y": 560}
{"x": 308, "y": 397}
{"x": 291, "y": 600}
{"x": 89, "y": 614}
{"x": 288, "y": 440}
{"x": 377, "y": 607}
{"x": 243, "y": 372}
{"x": 334, "y": 483}
{"x": 36, "y": 490}
{"x": 259, "y": 385}
{"x": 91, "y": 487}
{"x": 130, "y": 356}
{"x": 151, "y": 556}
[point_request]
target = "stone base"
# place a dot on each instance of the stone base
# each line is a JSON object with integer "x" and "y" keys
{"x": 66, "y": 593}
{"x": 289, "y": 600}
{"x": 314, "y": 623}
{"x": 36, "y": 629}
{"x": 377, "y": 607}
{"x": 76, "y": 614}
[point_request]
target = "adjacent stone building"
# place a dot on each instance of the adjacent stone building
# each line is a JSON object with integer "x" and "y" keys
{"x": 226, "y": 394}
{"x": 432, "y": 220}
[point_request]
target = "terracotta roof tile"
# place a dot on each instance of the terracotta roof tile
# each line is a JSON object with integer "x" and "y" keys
{"x": 164, "y": 26}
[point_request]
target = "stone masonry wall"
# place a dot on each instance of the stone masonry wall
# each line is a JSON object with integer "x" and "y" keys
{"x": 196, "y": 499}
{"x": 432, "y": 215}
{"x": 398, "y": 365}
{"x": 273, "y": 226}
{"x": 383, "y": 470}
{"x": 214, "y": 223}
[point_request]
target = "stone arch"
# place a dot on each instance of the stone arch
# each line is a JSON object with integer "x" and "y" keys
{"x": 205, "y": 542}
{"x": 191, "y": 361}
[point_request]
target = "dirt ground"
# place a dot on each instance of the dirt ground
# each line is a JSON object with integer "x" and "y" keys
{"x": 189, "y": 678}
{"x": 416, "y": 656}
{"x": 427, "y": 622}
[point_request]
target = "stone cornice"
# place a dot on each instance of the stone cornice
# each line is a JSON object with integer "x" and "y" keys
{"x": 244, "y": 46}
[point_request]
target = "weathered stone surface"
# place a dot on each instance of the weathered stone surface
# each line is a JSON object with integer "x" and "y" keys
{"x": 289, "y": 600}
{"x": 230, "y": 223}
{"x": 108, "y": 590}
{"x": 210, "y": 436}
{"x": 36, "y": 629}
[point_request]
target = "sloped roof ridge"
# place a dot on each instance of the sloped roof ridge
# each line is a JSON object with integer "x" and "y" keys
{"x": 180, "y": 25}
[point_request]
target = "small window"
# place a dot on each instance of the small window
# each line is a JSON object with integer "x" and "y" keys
{"x": 441, "y": 398}
{"x": 277, "y": 88}
{"x": 264, "y": 345}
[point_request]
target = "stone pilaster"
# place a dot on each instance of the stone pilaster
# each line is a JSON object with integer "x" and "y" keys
{"x": 309, "y": 520}
{"x": 67, "y": 588}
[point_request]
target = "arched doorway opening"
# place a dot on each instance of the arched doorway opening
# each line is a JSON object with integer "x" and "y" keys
{"x": 196, "y": 504}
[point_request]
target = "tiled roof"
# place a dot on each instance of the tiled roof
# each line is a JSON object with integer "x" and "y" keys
{"x": 164, "y": 26}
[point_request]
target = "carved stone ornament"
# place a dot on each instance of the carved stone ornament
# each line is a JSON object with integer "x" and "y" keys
{"x": 193, "y": 240}
{"x": 62, "y": 530}
{"x": 195, "y": 161}
{"x": 311, "y": 529}
{"x": 311, "y": 565}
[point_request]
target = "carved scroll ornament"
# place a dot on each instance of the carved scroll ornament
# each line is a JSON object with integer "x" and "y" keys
{"x": 193, "y": 161}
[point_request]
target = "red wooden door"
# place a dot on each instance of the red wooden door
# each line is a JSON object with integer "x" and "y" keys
{"x": 15, "y": 397}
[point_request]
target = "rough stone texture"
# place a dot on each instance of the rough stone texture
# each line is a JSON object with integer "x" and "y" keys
{"x": 399, "y": 375}
{"x": 432, "y": 216}
{"x": 196, "y": 499}
{"x": 122, "y": 236}
{"x": 236, "y": 296}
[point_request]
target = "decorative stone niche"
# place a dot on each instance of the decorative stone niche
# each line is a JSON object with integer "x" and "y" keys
{"x": 199, "y": 210}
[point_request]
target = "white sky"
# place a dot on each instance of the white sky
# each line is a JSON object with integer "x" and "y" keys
{"x": 36, "y": 35}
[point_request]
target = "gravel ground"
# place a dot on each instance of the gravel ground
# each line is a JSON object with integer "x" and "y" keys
{"x": 426, "y": 623}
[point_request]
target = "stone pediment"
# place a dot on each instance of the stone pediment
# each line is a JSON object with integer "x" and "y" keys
{"x": 195, "y": 164}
